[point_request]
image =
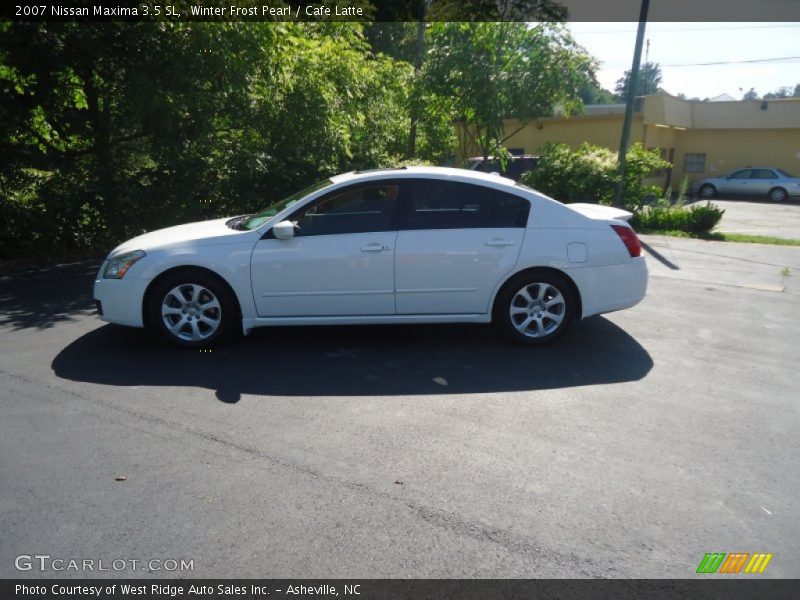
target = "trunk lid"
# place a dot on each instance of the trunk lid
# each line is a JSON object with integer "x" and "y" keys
{"x": 600, "y": 212}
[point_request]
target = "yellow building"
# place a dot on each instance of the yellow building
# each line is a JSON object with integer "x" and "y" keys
{"x": 700, "y": 139}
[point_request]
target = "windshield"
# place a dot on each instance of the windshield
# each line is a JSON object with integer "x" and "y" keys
{"x": 258, "y": 219}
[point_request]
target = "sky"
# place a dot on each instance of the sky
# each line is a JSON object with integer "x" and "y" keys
{"x": 673, "y": 44}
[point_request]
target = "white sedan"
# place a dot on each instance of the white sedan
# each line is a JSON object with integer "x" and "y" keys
{"x": 408, "y": 245}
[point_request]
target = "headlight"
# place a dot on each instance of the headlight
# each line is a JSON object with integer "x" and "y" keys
{"x": 119, "y": 265}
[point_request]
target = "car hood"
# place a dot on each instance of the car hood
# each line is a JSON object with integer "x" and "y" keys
{"x": 202, "y": 233}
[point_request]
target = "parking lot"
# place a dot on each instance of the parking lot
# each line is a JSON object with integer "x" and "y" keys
{"x": 757, "y": 216}
{"x": 632, "y": 447}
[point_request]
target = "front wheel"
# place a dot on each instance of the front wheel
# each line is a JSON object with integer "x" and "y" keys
{"x": 708, "y": 191}
{"x": 192, "y": 309}
{"x": 778, "y": 195}
{"x": 535, "y": 308}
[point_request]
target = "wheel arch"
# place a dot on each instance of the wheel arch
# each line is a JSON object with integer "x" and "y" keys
{"x": 571, "y": 282}
{"x": 187, "y": 268}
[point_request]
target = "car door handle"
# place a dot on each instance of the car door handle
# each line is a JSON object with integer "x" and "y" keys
{"x": 499, "y": 242}
{"x": 374, "y": 248}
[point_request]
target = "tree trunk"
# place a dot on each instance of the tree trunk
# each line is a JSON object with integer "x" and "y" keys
{"x": 412, "y": 132}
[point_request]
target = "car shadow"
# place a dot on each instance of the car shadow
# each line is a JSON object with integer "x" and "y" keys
{"x": 359, "y": 361}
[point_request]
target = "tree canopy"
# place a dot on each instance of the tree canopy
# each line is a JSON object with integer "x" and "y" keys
{"x": 648, "y": 82}
{"x": 489, "y": 72}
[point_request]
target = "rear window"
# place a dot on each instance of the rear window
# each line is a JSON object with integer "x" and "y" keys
{"x": 453, "y": 205}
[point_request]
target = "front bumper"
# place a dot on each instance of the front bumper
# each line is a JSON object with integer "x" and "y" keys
{"x": 120, "y": 300}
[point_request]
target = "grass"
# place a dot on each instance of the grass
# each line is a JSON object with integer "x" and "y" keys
{"x": 744, "y": 238}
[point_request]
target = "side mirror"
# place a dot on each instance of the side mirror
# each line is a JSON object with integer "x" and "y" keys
{"x": 283, "y": 230}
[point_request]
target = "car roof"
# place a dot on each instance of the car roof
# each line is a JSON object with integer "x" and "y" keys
{"x": 754, "y": 168}
{"x": 463, "y": 175}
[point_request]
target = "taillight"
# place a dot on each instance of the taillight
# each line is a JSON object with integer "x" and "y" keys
{"x": 628, "y": 237}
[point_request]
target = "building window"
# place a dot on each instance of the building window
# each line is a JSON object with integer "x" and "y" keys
{"x": 695, "y": 163}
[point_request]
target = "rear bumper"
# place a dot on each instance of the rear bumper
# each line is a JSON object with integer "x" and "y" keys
{"x": 120, "y": 300}
{"x": 613, "y": 287}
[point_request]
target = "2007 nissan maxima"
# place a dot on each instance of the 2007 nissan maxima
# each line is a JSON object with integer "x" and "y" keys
{"x": 409, "y": 245}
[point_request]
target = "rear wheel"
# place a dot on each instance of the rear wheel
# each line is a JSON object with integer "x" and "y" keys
{"x": 192, "y": 309}
{"x": 778, "y": 194}
{"x": 535, "y": 307}
{"x": 708, "y": 191}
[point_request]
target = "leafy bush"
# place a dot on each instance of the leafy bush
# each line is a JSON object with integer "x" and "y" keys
{"x": 587, "y": 174}
{"x": 590, "y": 173}
{"x": 696, "y": 219}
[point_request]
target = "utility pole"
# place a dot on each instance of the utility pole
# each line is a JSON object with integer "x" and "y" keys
{"x": 633, "y": 83}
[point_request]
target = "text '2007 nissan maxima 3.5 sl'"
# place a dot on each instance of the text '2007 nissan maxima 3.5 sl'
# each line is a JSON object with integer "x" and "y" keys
{"x": 410, "y": 245}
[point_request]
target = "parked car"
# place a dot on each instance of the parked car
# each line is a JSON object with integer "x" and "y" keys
{"x": 409, "y": 245}
{"x": 775, "y": 184}
{"x": 515, "y": 165}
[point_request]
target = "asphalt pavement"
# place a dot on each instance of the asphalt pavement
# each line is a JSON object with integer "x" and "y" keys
{"x": 630, "y": 448}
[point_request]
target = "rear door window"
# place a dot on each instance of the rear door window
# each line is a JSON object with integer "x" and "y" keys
{"x": 437, "y": 204}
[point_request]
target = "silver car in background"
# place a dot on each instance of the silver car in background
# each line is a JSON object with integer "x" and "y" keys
{"x": 775, "y": 184}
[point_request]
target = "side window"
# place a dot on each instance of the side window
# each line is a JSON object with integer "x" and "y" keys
{"x": 510, "y": 210}
{"x": 357, "y": 209}
{"x": 435, "y": 204}
{"x": 449, "y": 205}
{"x": 743, "y": 174}
{"x": 764, "y": 174}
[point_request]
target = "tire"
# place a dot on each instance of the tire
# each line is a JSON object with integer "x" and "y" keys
{"x": 192, "y": 309}
{"x": 707, "y": 191}
{"x": 535, "y": 307}
{"x": 778, "y": 194}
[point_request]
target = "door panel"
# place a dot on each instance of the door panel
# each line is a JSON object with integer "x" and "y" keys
{"x": 457, "y": 240}
{"x": 736, "y": 183}
{"x": 340, "y": 261}
{"x": 763, "y": 181}
{"x": 452, "y": 271}
{"x": 325, "y": 275}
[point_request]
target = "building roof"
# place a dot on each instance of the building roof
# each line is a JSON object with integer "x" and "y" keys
{"x": 723, "y": 112}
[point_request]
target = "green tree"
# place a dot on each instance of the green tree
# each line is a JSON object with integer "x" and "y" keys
{"x": 591, "y": 92}
{"x": 648, "y": 83}
{"x": 781, "y": 92}
{"x": 488, "y": 72}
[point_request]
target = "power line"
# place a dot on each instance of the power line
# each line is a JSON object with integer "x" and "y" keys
{"x": 723, "y": 62}
{"x": 736, "y": 62}
{"x": 689, "y": 30}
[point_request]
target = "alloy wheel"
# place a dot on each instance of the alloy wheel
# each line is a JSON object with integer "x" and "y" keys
{"x": 191, "y": 312}
{"x": 537, "y": 309}
{"x": 777, "y": 195}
